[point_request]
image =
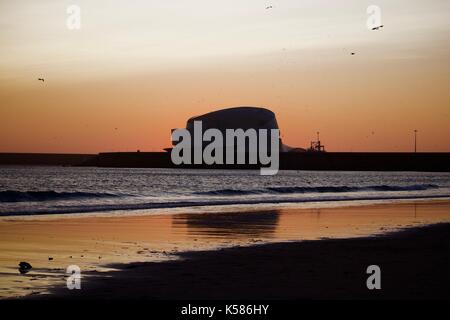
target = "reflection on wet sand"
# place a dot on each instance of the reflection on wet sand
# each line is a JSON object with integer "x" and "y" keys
{"x": 229, "y": 224}
{"x": 98, "y": 241}
{"x": 308, "y": 224}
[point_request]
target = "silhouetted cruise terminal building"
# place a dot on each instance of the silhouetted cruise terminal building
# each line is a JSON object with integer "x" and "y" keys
{"x": 246, "y": 118}
{"x": 239, "y": 118}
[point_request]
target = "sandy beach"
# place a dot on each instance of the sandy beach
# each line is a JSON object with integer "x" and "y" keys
{"x": 223, "y": 151}
{"x": 282, "y": 252}
{"x": 414, "y": 265}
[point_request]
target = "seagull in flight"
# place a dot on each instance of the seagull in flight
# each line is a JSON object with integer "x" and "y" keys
{"x": 377, "y": 28}
{"x": 41, "y": 79}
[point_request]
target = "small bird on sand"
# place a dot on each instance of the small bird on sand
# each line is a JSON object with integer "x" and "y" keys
{"x": 41, "y": 79}
{"x": 377, "y": 28}
{"x": 24, "y": 267}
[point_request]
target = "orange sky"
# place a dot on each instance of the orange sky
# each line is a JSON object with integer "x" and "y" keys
{"x": 143, "y": 74}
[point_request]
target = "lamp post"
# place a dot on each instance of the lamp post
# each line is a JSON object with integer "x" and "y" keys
{"x": 415, "y": 141}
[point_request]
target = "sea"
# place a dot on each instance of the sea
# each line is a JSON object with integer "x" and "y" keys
{"x": 38, "y": 190}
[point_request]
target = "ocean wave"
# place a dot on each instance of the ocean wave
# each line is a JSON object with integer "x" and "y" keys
{"x": 228, "y": 192}
{"x": 213, "y": 203}
{"x": 35, "y": 196}
{"x": 324, "y": 189}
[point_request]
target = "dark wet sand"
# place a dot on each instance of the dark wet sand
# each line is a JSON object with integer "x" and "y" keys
{"x": 95, "y": 242}
{"x": 414, "y": 264}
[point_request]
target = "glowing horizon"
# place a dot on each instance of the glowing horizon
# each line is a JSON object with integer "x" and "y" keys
{"x": 137, "y": 69}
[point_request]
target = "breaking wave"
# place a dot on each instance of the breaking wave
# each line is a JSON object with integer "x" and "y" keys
{"x": 325, "y": 189}
{"x": 33, "y": 196}
{"x": 226, "y": 202}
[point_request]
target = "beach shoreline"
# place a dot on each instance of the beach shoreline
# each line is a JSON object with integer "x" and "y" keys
{"x": 413, "y": 262}
{"x": 141, "y": 247}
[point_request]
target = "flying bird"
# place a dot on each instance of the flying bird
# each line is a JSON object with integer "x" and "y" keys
{"x": 269, "y": 7}
{"x": 41, "y": 79}
{"x": 377, "y": 28}
{"x": 352, "y": 53}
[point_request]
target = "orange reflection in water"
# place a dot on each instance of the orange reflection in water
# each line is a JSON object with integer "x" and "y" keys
{"x": 96, "y": 242}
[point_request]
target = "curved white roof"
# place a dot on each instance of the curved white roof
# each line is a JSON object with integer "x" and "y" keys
{"x": 240, "y": 118}
{"x": 235, "y": 118}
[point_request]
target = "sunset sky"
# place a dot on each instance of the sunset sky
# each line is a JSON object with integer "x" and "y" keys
{"x": 138, "y": 68}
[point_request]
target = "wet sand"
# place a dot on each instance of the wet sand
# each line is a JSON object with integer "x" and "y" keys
{"x": 101, "y": 244}
{"x": 414, "y": 265}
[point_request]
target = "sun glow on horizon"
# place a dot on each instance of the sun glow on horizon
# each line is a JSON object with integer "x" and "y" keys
{"x": 136, "y": 69}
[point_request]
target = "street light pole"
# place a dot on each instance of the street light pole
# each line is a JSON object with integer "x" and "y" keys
{"x": 415, "y": 141}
